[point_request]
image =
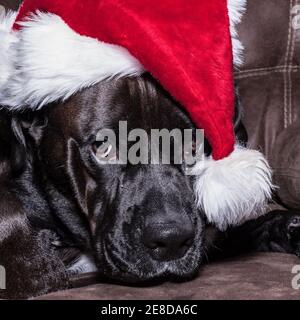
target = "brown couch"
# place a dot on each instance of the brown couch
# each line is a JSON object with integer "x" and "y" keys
{"x": 269, "y": 83}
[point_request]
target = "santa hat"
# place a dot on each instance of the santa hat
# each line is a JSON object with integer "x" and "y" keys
{"x": 51, "y": 49}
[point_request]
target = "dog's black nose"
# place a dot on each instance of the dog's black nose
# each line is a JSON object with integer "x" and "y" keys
{"x": 168, "y": 241}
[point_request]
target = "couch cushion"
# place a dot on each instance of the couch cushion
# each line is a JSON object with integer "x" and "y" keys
{"x": 258, "y": 276}
{"x": 269, "y": 85}
{"x": 286, "y": 164}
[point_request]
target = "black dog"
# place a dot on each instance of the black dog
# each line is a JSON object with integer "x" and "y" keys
{"x": 62, "y": 213}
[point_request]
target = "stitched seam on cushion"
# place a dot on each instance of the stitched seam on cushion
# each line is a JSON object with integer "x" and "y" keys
{"x": 289, "y": 71}
{"x": 290, "y": 30}
{"x": 265, "y": 69}
{"x": 264, "y": 73}
{"x": 285, "y": 76}
{"x": 291, "y": 62}
{"x": 290, "y": 97}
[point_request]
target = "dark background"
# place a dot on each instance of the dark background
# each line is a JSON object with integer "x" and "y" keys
{"x": 11, "y": 4}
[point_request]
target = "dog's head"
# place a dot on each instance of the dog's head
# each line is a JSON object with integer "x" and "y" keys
{"x": 142, "y": 219}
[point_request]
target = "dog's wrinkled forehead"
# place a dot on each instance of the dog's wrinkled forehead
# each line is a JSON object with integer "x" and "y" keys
{"x": 141, "y": 102}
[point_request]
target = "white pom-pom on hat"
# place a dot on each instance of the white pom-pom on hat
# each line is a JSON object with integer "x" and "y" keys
{"x": 235, "y": 189}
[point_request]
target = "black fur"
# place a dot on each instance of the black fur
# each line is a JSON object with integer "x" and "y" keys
{"x": 56, "y": 201}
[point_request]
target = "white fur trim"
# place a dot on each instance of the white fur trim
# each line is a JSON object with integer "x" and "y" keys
{"x": 54, "y": 62}
{"x": 7, "y": 40}
{"x": 235, "y": 189}
{"x": 236, "y": 9}
{"x": 47, "y": 61}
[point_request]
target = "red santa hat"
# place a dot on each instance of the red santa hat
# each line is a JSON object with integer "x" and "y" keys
{"x": 51, "y": 49}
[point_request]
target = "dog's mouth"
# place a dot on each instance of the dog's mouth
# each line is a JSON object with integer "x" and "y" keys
{"x": 147, "y": 271}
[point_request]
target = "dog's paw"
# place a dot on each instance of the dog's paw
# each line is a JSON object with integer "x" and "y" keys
{"x": 32, "y": 268}
{"x": 293, "y": 233}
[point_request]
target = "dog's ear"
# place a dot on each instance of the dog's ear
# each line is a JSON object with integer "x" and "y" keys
{"x": 27, "y": 132}
{"x": 78, "y": 174}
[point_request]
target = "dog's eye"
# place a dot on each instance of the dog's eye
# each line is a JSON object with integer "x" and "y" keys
{"x": 104, "y": 150}
{"x": 194, "y": 148}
